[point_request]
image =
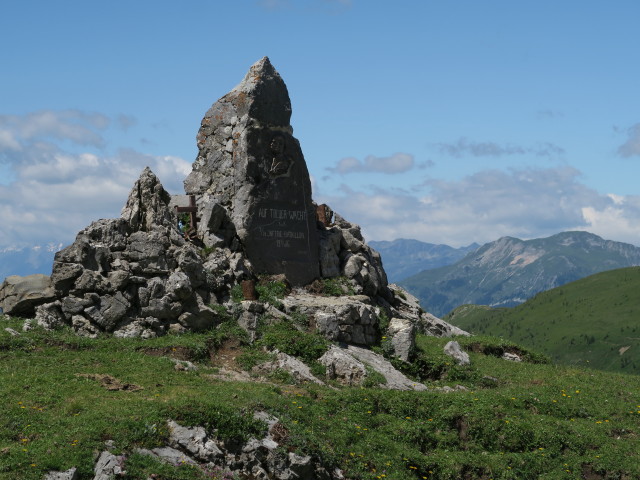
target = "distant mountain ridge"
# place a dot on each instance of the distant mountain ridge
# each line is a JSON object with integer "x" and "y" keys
{"x": 26, "y": 260}
{"x": 403, "y": 258}
{"x": 508, "y": 271}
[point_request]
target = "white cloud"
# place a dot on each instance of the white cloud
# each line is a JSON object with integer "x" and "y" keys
{"x": 56, "y": 192}
{"x": 464, "y": 146}
{"x": 8, "y": 141}
{"x": 614, "y": 222}
{"x": 396, "y": 163}
{"x": 70, "y": 125}
{"x": 482, "y": 207}
{"x": 632, "y": 146}
{"x": 126, "y": 121}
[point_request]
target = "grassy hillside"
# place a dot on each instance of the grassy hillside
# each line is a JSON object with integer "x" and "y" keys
{"x": 515, "y": 421}
{"x": 594, "y": 321}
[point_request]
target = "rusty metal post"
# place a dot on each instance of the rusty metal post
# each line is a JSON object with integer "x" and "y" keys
{"x": 323, "y": 214}
{"x": 249, "y": 290}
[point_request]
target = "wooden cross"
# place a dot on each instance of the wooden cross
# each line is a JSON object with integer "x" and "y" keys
{"x": 192, "y": 209}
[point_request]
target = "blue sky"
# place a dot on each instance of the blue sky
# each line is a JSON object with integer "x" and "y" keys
{"x": 448, "y": 122}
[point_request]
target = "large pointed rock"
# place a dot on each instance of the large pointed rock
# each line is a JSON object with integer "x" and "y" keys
{"x": 250, "y": 164}
{"x": 148, "y": 204}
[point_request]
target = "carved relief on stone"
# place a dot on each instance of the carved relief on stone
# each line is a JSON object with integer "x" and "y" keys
{"x": 280, "y": 161}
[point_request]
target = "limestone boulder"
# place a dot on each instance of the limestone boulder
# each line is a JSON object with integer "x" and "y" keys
{"x": 146, "y": 207}
{"x": 296, "y": 368}
{"x": 20, "y": 296}
{"x": 394, "y": 379}
{"x": 402, "y": 333}
{"x": 432, "y": 325}
{"x": 109, "y": 466}
{"x": 343, "y": 367}
{"x": 348, "y": 319}
{"x": 70, "y": 474}
{"x": 195, "y": 441}
{"x": 454, "y": 350}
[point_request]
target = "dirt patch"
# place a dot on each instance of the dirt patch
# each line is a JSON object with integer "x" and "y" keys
{"x": 110, "y": 383}
{"x": 225, "y": 356}
{"x": 493, "y": 350}
{"x": 179, "y": 353}
{"x": 588, "y": 473}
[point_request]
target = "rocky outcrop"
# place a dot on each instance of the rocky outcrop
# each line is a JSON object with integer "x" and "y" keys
{"x": 250, "y": 165}
{"x": 21, "y": 295}
{"x": 394, "y": 379}
{"x": 170, "y": 263}
{"x": 259, "y": 459}
{"x": 135, "y": 275}
{"x": 409, "y": 307}
{"x": 351, "y": 366}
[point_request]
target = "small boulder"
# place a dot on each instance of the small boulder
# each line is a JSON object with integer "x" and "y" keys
{"x": 70, "y": 474}
{"x": 454, "y": 350}
{"x": 21, "y": 295}
{"x": 343, "y": 367}
{"x": 298, "y": 370}
{"x": 512, "y": 357}
{"x": 194, "y": 440}
{"x": 109, "y": 466}
{"x": 403, "y": 336}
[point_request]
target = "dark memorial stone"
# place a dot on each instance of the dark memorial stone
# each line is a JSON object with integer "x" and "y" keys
{"x": 250, "y": 163}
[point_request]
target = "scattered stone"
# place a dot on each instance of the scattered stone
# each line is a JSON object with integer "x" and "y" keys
{"x": 184, "y": 365}
{"x": 343, "y": 367}
{"x": 109, "y": 466}
{"x": 512, "y": 357}
{"x": 298, "y": 370}
{"x": 195, "y": 441}
{"x": 454, "y": 350}
{"x": 447, "y": 389}
{"x": 12, "y": 332}
{"x": 110, "y": 383}
{"x": 70, "y": 474}
{"x": 21, "y": 295}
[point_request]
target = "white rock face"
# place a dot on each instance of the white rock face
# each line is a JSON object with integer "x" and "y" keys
{"x": 343, "y": 367}
{"x": 348, "y": 319}
{"x": 454, "y": 350}
{"x": 402, "y": 333}
{"x": 21, "y": 295}
{"x": 298, "y": 370}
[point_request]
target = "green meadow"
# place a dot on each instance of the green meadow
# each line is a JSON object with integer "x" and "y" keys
{"x": 531, "y": 419}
